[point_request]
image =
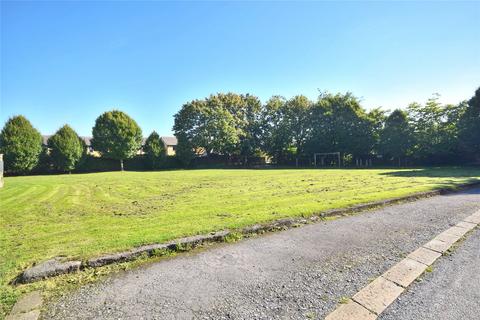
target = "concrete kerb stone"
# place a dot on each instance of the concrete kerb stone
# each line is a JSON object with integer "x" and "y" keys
{"x": 472, "y": 219}
{"x": 378, "y": 295}
{"x": 55, "y": 267}
{"x": 385, "y": 289}
{"x": 424, "y": 255}
{"x": 27, "y": 307}
{"x": 466, "y": 225}
{"x": 448, "y": 237}
{"x": 437, "y": 245}
{"x": 30, "y": 301}
{"x": 351, "y": 310}
{"x": 457, "y": 231}
{"x": 405, "y": 272}
{"x": 31, "y": 315}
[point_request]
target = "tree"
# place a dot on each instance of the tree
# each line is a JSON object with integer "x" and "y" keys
{"x": 185, "y": 150}
{"x": 155, "y": 150}
{"x": 66, "y": 149}
{"x": 469, "y": 127}
{"x": 377, "y": 118}
{"x": 21, "y": 145}
{"x": 296, "y": 114}
{"x": 396, "y": 137}
{"x": 339, "y": 124}
{"x": 275, "y": 136}
{"x": 116, "y": 136}
{"x": 435, "y": 130}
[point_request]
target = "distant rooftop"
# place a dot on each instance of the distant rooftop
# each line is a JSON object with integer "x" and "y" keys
{"x": 168, "y": 141}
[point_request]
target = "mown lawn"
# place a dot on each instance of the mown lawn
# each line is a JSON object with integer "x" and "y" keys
{"x": 83, "y": 215}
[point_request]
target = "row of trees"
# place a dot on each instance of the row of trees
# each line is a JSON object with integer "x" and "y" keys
{"x": 240, "y": 125}
{"x": 115, "y": 136}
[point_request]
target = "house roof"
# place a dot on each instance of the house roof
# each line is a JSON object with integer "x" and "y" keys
{"x": 168, "y": 141}
{"x": 45, "y": 138}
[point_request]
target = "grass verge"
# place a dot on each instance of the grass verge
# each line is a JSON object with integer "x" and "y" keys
{"x": 81, "y": 216}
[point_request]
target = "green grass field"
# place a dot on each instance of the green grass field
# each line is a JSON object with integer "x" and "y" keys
{"x": 83, "y": 215}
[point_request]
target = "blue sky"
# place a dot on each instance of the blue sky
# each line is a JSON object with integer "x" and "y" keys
{"x": 66, "y": 62}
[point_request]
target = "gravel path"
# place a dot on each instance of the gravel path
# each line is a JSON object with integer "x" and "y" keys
{"x": 296, "y": 274}
{"x": 450, "y": 292}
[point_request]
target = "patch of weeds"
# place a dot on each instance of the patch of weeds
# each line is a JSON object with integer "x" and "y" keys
{"x": 343, "y": 300}
{"x": 429, "y": 269}
{"x": 233, "y": 237}
{"x": 181, "y": 247}
{"x": 8, "y": 297}
{"x": 311, "y": 315}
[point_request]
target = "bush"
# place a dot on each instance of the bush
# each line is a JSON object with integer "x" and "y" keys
{"x": 21, "y": 145}
{"x": 66, "y": 149}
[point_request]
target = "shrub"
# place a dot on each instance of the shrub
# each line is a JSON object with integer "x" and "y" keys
{"x": 21, "y": 145}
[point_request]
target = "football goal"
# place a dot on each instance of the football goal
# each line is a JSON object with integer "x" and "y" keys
{"x": 327, "y": 159}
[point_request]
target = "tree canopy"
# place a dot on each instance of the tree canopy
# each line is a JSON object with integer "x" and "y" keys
{"x": 116, "y": 136}
{"x": 154, "y": 150}
{"x": 21, "y": 145}
{"x": 66, "y": 149}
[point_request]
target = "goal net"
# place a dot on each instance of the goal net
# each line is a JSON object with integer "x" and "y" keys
{"x": 327, "y": 159}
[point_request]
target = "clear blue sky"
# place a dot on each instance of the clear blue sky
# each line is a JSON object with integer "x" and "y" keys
{"x": 66, "y": 62}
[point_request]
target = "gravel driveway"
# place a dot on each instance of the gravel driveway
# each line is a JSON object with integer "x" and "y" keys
{"x": 295, "y": 274}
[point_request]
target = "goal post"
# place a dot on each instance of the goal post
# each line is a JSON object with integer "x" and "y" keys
{"x": 320, "y": 157}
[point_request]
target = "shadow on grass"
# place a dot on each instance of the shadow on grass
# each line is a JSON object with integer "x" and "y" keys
{"x": 473, "y": 173}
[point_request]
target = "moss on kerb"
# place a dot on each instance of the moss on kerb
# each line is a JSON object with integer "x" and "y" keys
{"x": 55, "y": 267}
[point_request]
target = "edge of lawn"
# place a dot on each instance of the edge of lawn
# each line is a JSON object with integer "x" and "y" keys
{"x": 86, "y": 272}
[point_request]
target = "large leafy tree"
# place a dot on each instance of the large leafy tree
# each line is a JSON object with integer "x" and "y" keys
{"x": 116, "y": 136}
{"x": 469, "y": 127}
{"x": 66, "y": 149}
{"x": 225, "y": 124}
{"x": 435, "y": 130}
{"x": 21, "y": 145}
{"x": 275, "y": 135}
{"x": 154, "y": 150}
{"x": 396, "y": 137}
{"x": 339, "y": 124}
{"x": 296, "y": 113}
{"x": 284, "y": 126}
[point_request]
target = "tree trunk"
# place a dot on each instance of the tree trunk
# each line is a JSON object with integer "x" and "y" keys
{"x": 121, "y": 164}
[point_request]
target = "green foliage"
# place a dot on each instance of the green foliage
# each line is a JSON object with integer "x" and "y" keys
{"x": 185, "y": 150}
{"x": 222, "y": 124}
{"x": 275, "y": 137}
{"x": 435, "y": 130}
{"x": 469, "y": 128}
{"x": 66, "y": 149}
{"x": 116, "y": 136}
{"x": 21, "y": 145}
{"x": 339, "y": 124}
{"x": 154, "y": 150}
{"x": 396, "y": 138}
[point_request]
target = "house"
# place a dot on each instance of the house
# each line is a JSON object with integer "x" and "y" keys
{"x": 169, "y": 142}
{"x": 170, "y": 145}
